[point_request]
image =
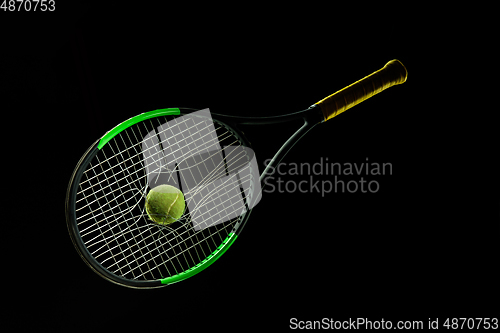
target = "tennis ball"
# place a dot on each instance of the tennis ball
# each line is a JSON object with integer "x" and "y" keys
{"x": 165, "y": 204}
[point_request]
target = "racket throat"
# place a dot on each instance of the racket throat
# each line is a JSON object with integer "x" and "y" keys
{"x": 278, "y": 157}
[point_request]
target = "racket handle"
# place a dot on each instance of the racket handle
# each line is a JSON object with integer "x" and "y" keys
{"x": 391, "y": 74}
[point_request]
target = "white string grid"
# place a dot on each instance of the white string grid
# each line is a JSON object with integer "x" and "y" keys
{"x": 111, "y": 217}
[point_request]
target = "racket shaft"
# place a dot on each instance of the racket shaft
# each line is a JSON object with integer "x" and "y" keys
{"x": 391, "y": 74}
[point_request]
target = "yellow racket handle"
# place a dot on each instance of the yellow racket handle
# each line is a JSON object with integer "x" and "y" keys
{"x": 391, "y": 74}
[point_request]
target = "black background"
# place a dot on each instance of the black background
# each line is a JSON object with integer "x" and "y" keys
{"x": 413, "y": 250}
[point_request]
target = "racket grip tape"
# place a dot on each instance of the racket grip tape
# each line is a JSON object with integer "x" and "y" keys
{"x": 394, "y": 72}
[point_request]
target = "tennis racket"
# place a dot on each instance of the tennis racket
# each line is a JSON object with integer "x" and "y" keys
{"x": 203, "y": 154}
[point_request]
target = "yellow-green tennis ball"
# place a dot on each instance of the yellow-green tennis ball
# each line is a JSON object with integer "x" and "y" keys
{"x": 165, "y": 204}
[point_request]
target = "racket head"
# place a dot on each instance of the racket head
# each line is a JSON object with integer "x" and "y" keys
{"x": 106, "y": 195}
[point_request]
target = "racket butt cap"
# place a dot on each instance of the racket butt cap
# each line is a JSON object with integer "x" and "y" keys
{"x": 397, "y": 66}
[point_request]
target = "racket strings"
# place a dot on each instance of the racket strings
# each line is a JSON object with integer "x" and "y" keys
{"x": 138, "y": 163}
{"x": 210, "y": 237}
{"x": 138, "y": 154}
{"x": 178, "y": 235}
{"x": 214, "y": 175}
{"x": 114, "y": 236}
{"x": 129, "y": 147}
{"x": 113, "y": 221}
{"x": 214, "y": 142}
{"x": 118, "y": 189}
{"x": 90, "y": 244}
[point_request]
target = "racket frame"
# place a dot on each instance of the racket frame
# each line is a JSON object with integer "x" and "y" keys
{"x": 89, "y": 155}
